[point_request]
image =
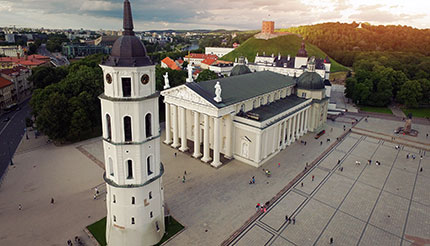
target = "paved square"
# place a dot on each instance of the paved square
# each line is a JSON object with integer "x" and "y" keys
{"x": 358, "y": 204}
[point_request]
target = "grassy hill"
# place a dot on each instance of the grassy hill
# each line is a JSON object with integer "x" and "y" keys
{"x": 286, "y": 45}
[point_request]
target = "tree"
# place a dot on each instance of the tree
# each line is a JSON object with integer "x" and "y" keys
{"x": 44, "y": 76}
{"x": 176, "y": 77}
{"x": 410, "y": 93}
{"x": 206, "y": 75}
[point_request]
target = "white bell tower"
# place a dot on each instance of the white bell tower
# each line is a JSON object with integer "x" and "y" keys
{"x": 131, "y": 142}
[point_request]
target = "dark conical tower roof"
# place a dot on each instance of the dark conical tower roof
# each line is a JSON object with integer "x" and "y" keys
{"x": 128, "y": 50}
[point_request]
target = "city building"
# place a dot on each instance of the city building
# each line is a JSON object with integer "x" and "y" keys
{"x": 292, "y": 66}
{"x": 82, "y": 50}
{"x": 30, "y": 61}
{"x": 6, "y": 88}
{"x": 169, "y": 63}
{"x": 12, "y": 51}
{"x": 19, "y": 77}
{"x": 221, "y": 68}
{"x": 131, "y": 143}
{"x": 207, "y": 62}
{"x": 247, "y": 116}
{"x": 196, "y": 59}
{"x": 218, "y": 51}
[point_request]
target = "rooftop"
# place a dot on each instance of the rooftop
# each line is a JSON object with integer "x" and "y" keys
{"x": 4, "y": 82}
{"x": 170, "y": 63}
{"x": 239, "y": 88}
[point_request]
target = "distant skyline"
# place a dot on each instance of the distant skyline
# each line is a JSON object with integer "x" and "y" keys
{"x": 201, "y": 14}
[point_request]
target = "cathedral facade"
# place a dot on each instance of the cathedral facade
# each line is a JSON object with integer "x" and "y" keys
{"x": 247, "y": 116}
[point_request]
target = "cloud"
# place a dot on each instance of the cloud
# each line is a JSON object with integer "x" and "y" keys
{"x": 99, "y": 5}
{"x": 374, "y": 13}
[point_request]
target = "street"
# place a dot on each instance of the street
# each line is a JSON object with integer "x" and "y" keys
{"x": 11, "y": 133}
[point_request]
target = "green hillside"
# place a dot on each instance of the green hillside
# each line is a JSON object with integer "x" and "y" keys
{"x": 286, "y": 45}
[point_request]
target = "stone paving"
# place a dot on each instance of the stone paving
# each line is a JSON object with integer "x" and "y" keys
{"x": 361, "y": 205}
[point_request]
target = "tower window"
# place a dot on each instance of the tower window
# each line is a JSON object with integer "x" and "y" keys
{"x": 242, "y": 107}
{"x": 148, "y": 127}
{"x": 127, "y": 129}
{"x": 156, "y": 226}
{"x": 108, "y": 126}
{"x": 111, "y": 167}
{"x": 133, "y": 200}
{"x": 303, "y": 94}
{"x": 132, "y": 220}
{"x": 129, "y": 169}
{"x": 150, "y": 215}
{"x": 114, "y": 199}
{"x": 149, "y": 165}
{"x": 114, "y": 218}
{"x": 150, "y": 195}
{"x": 126, "y": 87}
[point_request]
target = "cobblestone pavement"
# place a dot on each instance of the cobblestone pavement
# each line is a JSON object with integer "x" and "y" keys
{"x": 387, "y": 204}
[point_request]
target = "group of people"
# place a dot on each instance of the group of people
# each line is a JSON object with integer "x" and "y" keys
{"x": 267, "y": 172}
{"x": 77, "y": 241}
{"x": 412, "y": 156}
{"x": 252, "y": 180}
{"x": 290, "y": 220}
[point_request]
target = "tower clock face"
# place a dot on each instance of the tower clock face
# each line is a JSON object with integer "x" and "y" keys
{"x": 108, "y": 78}
{"x": 145, "y": 79}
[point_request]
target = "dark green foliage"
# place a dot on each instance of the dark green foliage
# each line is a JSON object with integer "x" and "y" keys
{"x": 176, "y": 77}
{"x": 44, "y": 76}
{"x": 206, "y": 75}
{"x": 69, "y": 110}
{"x": 55, "y": 41}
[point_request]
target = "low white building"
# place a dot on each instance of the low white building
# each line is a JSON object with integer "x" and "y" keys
{"x": 222, "y": 68}
{"x": 249, "y": 117}
{"x": 218, "y": 51}
{"x": 12, "y": 51}
{"x": 292, "y": 66}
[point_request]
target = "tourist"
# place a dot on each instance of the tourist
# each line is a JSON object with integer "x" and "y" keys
{"x": 257, "y": 207}
{"x": 253, "y": 179}
{"x": 313, "y": 177}
{"x": 421, "y": 169}
{"x": 183, "y": 179}
{"x": 175, "y": 154}
{"x": 331, "y": 240}
{"x": 279, "y": 164}
{"x": 302, "y": 184}
{"x": 19, "y": 207}
{"x": 407, "y": 156}
{"x": 305, "y": 143}
{"x": 294, "y": 220}
{"x": 286, "y": 217}
{"x": 338, "y": 161}
{"x": 341, "y": 169}
{"x": 427, "y": 135}
{"x": 185, "y": 172}
{"x": 321, "y": 143}
{"x": 52, "y": 200}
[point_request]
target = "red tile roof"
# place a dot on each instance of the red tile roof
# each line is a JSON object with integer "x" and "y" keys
{"x": 201, "y": 56}
{"x": 170, "y": 63}
{"x": 209, "y": 61}
{"x": 10, "y": 71}
{"x": 4, "y": 82}
{"x": 29, "y": 61}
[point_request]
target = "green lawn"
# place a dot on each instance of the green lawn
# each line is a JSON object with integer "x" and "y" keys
{"x": 98, "y": 230}
{"x": 286, "y": 45}
{"x": 417, "y": 112}
{"x": 382, "y": 110}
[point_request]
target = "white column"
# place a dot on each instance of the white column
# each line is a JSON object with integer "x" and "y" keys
{"x": 206, "y": 154}
{"x": 175, "y": 127}
{"x": 196, "y": 153}
{"x": 297, "y": 126}
{"x": 216, "y": 162}
{"x": 293, "y": 129}
{"x": 229, "y": 137}
{"x": 258, "y": 148}
{"x": 302, "y": 123}
{"x": 284, "y": 133}
{"x": 183, "y": 125}
{"x": 168, "y": 128}
{"x": 289, "y": 131}
{"x": 306, "y": 120}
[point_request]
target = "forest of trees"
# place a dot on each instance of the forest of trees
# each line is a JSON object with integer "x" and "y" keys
{"x": 391, "y": 63}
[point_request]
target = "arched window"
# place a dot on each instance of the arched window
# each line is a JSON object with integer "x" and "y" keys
{"x": 242, "y": 107}
{"x": 133, "y": 200}
{"x": 149, "y": 165}
{"x": 108, "y": 126}
{"x": 129, "y": 169}
{"x": 261, "y": 101}
{"x": 148, "y": 125}
{"x": 114, "y": 218}
{"x": 127, "y": 129}
{"x": 254, "y": 104}
{"x": 111, "y": 167}
{"x": 150, "y": 215}
{"x": 150, "y": 195}
{"x": 126, "y": 87}
{"x": 132, "y": 220}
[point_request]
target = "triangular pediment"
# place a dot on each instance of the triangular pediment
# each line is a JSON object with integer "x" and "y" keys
{"x": 186, "y": 94}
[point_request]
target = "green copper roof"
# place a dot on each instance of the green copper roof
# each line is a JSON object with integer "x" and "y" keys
{"x": 310, "y": 81}
{"x": 239, "y": 70}
{"x": 239, "y": 88}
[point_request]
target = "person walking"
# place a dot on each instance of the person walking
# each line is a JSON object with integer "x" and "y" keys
{"x": 183, "y": 179}
{"x": 294, "y": 220}
{"x": 19, "y": 206}
{"x": 279, "y": 164}
{"x": 176, "y": 154}
{"x": 52, "y": 200}
{"x": 185, "y": 172}
{"x": 253, "y": 179}
{"x": 331, "y": 240}
{"x": 302, "y": 184}
{"x": 421, "y": 169}
{"x": 313, "y": 177}
{"x": 286, "y": 217}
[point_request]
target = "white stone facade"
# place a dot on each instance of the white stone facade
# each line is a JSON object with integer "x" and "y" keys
{"x": 131, "y": 141}
{"x": 219, "y": 51}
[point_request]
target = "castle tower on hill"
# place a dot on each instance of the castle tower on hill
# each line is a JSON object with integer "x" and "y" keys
{"x": 131, "y": 143}
{"x": 268, "y": 27}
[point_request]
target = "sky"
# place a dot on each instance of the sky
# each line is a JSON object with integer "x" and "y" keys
{"x": 209, "y": 14}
